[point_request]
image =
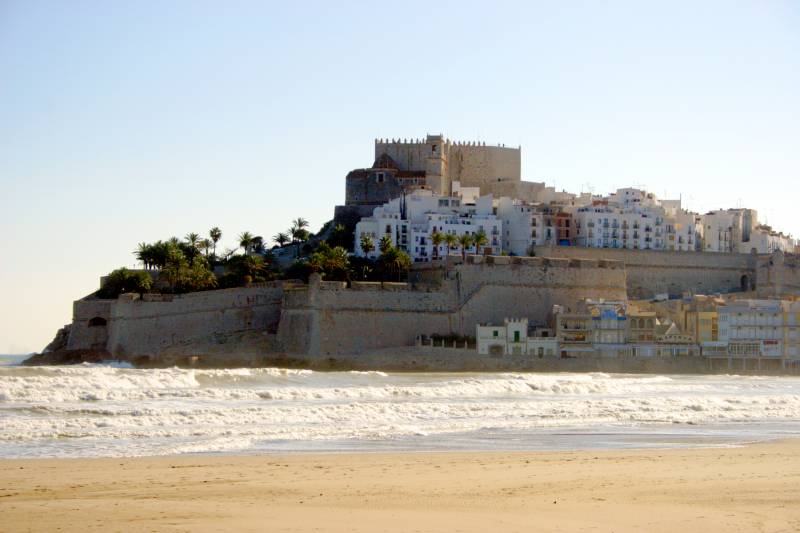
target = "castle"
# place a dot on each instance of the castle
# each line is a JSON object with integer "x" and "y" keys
{"x": 439, "y": 165}
{"x": 326, "y": 321}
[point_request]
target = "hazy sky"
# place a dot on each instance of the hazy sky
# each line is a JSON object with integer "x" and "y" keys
{"x": 123, "y": 122}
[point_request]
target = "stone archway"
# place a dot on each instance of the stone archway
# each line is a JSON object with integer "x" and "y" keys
{"x": 97, "y": 321}
{"x": 744, "y": 283}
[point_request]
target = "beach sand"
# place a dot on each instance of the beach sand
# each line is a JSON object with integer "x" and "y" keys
{"x": 752, "y": 488}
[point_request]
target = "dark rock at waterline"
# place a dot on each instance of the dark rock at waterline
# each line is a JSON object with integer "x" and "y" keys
{"x": 67, "y": 357}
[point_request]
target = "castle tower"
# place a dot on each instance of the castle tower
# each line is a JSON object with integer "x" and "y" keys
{"x": 437, "y": 149}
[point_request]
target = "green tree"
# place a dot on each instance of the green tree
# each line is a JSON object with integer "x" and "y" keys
{"x": 332, "y": 262}
{"x": 245, "y": 241}
{"x": 299, "y": 233}
{"x": 243, "y": 269}
{"x": 300, "y": 223}
{"x": 436, "y": 239}
{"x": 480, "y": 240}
{"x": 450, "y": 241}
{"x": 123, "y": 281}
{"x": 385, "y": 244}
{"x": 144, "y": 254}
{"x": 367, "y": 244}
{"x": 205, "y": 246}
{"x": 281, "y": 239}
{"x": 216, "y": 234}
{"x": 257, "y": 245}
{"x": 191, "y": 242}
{"x": 341, "y": 236}
{"x": 464, "y": 241}
{"x": 395, "y": 262}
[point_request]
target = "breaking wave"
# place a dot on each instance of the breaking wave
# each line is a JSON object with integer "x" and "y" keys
{"x": 95, "y": 410}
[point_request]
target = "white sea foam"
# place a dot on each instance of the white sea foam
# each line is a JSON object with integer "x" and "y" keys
{"x": 94, "y": 410}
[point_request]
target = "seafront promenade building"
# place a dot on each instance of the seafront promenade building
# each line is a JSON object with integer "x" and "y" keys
{"x": 744, "y": 329}
{"x": 761, "y": 328}
{"x": 515, "y": 338}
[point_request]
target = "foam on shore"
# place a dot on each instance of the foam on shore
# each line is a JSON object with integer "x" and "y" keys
{"x": 95, "y": 410}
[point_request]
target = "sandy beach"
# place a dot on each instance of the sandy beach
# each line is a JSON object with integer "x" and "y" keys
{"x": 751, "y": 488}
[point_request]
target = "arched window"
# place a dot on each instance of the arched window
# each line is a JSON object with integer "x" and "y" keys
{"x": 97, "y": 321}
{"x": 745, "y": 283}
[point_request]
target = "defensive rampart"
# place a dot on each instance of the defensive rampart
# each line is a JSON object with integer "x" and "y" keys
{"x": 328, "y": 318}
{"x": 150, "y": 325}
{"x": 778, "y": 275}
{"x": 89, "y": 329}
{"x": 652, "y": 272}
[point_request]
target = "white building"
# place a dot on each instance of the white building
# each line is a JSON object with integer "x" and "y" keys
{"x": 512, "y": 339}
{"x": 635, "y": 219}
{"x": 524, "y": 226}
{"x": 409, "y": 221}
{"x": 761, "y": 328}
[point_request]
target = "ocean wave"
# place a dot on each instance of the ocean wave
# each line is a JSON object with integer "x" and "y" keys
{"x": 94, "y": 410}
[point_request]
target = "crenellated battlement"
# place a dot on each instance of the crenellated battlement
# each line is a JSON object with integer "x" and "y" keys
{"x": 431, "y": 139}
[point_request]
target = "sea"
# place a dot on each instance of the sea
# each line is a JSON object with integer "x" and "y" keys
{"x": 115, "y": 411}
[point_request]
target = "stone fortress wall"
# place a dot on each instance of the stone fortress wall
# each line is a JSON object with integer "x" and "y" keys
{"x": 89, "y": 329}
{"x": 652, "y": 272}
{"x": 327, "y": 318}
{"x": 324, "y": 318}
{"x": 136, "y": 327}
{"x": 778, "y": 274}
{"x": 444, "y": 161}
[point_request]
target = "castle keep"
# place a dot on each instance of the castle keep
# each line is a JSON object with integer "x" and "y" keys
{"x": 437, "y": 164}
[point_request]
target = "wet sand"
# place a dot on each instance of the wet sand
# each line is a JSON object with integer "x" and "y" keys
{"x": 752, "y": 488}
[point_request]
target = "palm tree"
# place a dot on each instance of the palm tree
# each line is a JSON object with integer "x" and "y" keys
{"x": 192, "y": 239}
{"x": 394, "y": 260}
{"x": 245, "y": 241}
{"x": 257, "y": 244}
{"x": 437, "y": 239}
{"x": 300, "y": 223}
{"x": 280, "y": 239}
{"x": 299, "y": 235}
{"x": 367, "y": 244}
{"x": 450, "y": 241}
{"x": 464, "y": 241}
{"x": 385, "y": 244}
{"x": 205, "y": 245}
{"x": 144, "y": 254}
{"x": 216, "y": 234}
{"x": 480, "y": 240}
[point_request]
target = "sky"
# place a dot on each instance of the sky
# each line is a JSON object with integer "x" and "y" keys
{"x": 124, "y": 122}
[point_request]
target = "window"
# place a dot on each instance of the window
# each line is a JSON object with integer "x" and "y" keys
{"x": 495, "y": 333}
